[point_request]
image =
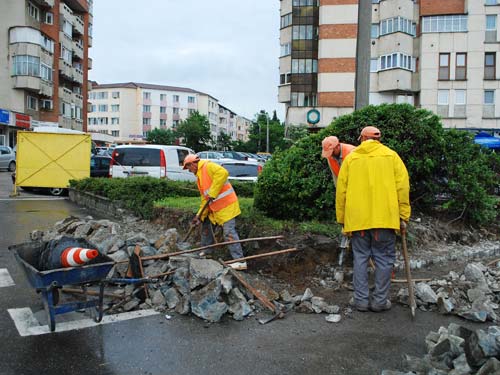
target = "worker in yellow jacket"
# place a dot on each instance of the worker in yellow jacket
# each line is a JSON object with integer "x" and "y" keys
{"x": 372, "y": 202}
{"x": 223, "y": 206}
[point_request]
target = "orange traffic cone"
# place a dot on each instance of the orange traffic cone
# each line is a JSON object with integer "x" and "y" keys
{"x": 77, "y": 256}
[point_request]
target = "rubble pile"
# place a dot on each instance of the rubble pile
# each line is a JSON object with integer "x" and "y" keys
{"x": 456, "y": 350}
{"x": 185, "y": 283}
{"x": 473, "y": 295}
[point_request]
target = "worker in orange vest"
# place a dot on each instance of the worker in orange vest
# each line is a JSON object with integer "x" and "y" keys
{"x": 335, "y": 152}
{"x": 223, "y": 206}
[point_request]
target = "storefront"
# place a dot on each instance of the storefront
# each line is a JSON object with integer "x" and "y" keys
{"x": 10, "y": 123}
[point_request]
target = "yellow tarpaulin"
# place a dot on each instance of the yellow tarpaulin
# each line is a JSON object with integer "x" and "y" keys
{"x": 51, "y": 159}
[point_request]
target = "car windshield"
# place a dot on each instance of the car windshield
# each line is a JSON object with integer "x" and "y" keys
{"x": 241, "y": 170}
{"x": 138, "y": 157}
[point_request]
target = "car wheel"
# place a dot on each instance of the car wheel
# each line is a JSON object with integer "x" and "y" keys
{"x": 25, "y": 188}
{"x": 57, "y": 191}
{"x": 12, "y": 166}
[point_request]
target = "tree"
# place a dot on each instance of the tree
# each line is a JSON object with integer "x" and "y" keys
{"x": 195, "y": 132}
{"x": 224, "y": 142}
{"x": 162, "y": 137}
{"x": 258, "y": 134}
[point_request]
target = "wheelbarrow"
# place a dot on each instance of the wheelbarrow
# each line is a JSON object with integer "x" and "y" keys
{"x": 49, "y": 282}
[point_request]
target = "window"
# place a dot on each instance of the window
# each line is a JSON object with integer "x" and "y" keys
{"x": 115, "y": 120}
{"x": 93, "y": 108}
{"x": 396, "y": 60}
{"x": 489, "y": 97}
{"x": 47, "y": 43}
{"x": 115, "y": 107}
{"x": 65, "y": 109}
{"x": 191, "y": 111}
{"x": 489, "y": 65}
{"x": 67, "y": 29}
{"x": 304, "y": 66}
{"x": 49, "y": 18}
{"x": 31, "y": 103}
{"x": 33, "y": 11}
{"x": 444, "y": 66}
{"x": 146, "y": 108}
{"x": 443, "y": 97}
{"x": 65, "y": 54}
{"x": 46, "y": 104}
{"x": 374, "y": 30}
{"x": 101, "y": 95}
{"x": 163, "y": 122}
{"x": 286, "y": 20}
{"x": 103, "y": 108}
{"x": 163, "y": 97}
{"x": 115, "y": 133}
{"x": 491, "y": 22}
{"x": 460, "y": 97}
{"x": 373, "y": 65}
{"x": 175, "y": 111}
{"x": 491, "y": 2}
{"x": 175, "y": 123}
{"x": 146, "y": 121}
{"x": 304, "y": 32}
{"x": 163, "y": 109}
{"x": 26, "y": 65}
{"x": 301, "y": 99}
{"x": 146, "y": 95}
{"x": 304, "y": 3}
{"x": 176, "y": 98}
{"x": 286, "y": 49}
{"x": 115, "y": 94}
{"x": 461, "y": 66}
{"x": 444, "y": 24}
{"x": 46, "y": 72}
{"x": 191, "y": 99}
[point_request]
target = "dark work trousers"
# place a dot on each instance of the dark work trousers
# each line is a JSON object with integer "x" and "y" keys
{"x": 230, "y": 234}
{"x": 379, "y": 244}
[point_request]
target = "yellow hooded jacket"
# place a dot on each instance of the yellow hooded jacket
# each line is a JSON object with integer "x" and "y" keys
{"x": 373, "y": 189}
{"x": 219, "y": 177}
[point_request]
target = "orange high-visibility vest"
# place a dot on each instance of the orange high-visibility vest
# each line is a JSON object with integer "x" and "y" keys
{"x": 345, "y": 149}
{"x": 226, "y": 195}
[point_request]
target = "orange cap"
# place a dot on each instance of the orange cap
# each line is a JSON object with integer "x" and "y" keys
{"x": 329, "y": 143}
{"x": 370, "y": 131}
{"x": 190, "y": 159}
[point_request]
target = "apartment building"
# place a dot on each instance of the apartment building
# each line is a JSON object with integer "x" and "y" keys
{"x": 129, "y": 111}
{"x": 437, "y": 55}
{"x": 43, "y": 64}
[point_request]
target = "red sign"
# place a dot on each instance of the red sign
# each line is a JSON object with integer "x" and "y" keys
{"x": 23, "y": 121}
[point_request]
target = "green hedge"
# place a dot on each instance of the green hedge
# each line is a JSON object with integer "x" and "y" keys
{"x": 297, "y": 184}
{"x": 139, "y": 193}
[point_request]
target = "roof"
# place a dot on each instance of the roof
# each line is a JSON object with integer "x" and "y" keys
{"x": 135, "y": 85}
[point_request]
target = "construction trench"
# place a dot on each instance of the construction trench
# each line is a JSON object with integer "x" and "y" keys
{"x": 454, "y": 272}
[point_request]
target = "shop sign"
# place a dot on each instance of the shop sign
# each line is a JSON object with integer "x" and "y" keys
{"x": 23, "y": 121}
{"x": 4, "y": 116}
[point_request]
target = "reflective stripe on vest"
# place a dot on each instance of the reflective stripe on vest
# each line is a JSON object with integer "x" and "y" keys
{"x": 226, "y": 195}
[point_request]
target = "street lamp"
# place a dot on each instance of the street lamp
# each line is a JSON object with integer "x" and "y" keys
{"x": 267, "y": 129}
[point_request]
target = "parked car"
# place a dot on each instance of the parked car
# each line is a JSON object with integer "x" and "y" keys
{"x": 99, "y": 165}
{"x": 44, "y": 190}
{"x": 7, "y": 158}
{"x": 214, "y": 156}
{"x": 150, "y": 160}
{"x": 234, "y": 155}
{"x": 242, "y": 170}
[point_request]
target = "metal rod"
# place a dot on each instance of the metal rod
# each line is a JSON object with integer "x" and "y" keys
{"x": 89, "y": 292}
{"x": 291, "y": 250}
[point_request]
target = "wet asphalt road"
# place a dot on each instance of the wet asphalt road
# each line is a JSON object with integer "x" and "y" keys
{"x": 364, "y": 343}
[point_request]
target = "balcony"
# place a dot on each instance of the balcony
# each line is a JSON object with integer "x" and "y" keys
{"x": 65, "y": 94}
{"x": 34, "y": 84}
{"x": 77, "y": 99}
{"x": 284, "y": 93}
{"x": 395, "y": 80}
{"x": 65, "y": 69}
{"x": 44, "y": 3}
{"x": 89, "y": 64}
{"x": 77, "y": 75}
{"x": 90, "y": 41}
{"x": 77, "y": 49}
{"x": 78, "y": 26}
{"x": 67, "y": 13}
{"x": 163, "y": 116}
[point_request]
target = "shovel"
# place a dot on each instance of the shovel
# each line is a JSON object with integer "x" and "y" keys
{"x": 411, "y": 294}
{"x": 193, "y": 225}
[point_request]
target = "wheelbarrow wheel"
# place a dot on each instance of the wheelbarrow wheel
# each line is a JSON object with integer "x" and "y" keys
{"x": 49, "y": 301}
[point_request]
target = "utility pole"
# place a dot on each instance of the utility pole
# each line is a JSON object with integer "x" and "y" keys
{"x": 363, "y": 54}
{"x": 267, "y": 134}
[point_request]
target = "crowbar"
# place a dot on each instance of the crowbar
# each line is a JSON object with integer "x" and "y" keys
{"x": 198, "y": 215}
{"x": 411, "y": 294}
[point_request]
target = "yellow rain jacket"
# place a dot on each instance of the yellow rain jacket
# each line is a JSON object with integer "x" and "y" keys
{"x": 373, "y": 189}
{"x": 218, "y": 175}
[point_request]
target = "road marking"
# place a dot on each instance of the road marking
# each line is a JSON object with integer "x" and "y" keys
{"x": 28, "y": 325}
{"x": 33, "y": 199}
{"x": 5, "y": 279}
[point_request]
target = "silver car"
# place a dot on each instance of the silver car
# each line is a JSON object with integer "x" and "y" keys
{"x": 7, "y": 158}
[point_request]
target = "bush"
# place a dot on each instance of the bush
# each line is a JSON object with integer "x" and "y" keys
{"x": 297, "y": 184}
{"x": 139, "y": 193}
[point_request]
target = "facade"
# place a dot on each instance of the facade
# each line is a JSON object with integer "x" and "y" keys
{"x": 128, "y": 111}
{"x": 44, "y": 64}
{"x": 437, "y": 55}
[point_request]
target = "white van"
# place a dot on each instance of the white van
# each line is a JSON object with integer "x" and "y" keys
{"x": 150, "y": 160}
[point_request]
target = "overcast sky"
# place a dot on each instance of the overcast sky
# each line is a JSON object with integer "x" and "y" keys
{"x": 226, "y": 48}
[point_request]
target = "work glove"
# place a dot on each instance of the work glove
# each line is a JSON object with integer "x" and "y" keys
{"x": 402, "y": 226}
{"x": 196, "y": 221}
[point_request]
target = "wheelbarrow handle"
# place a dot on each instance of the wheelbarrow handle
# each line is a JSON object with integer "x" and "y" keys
{"x": 130, "y": 280}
